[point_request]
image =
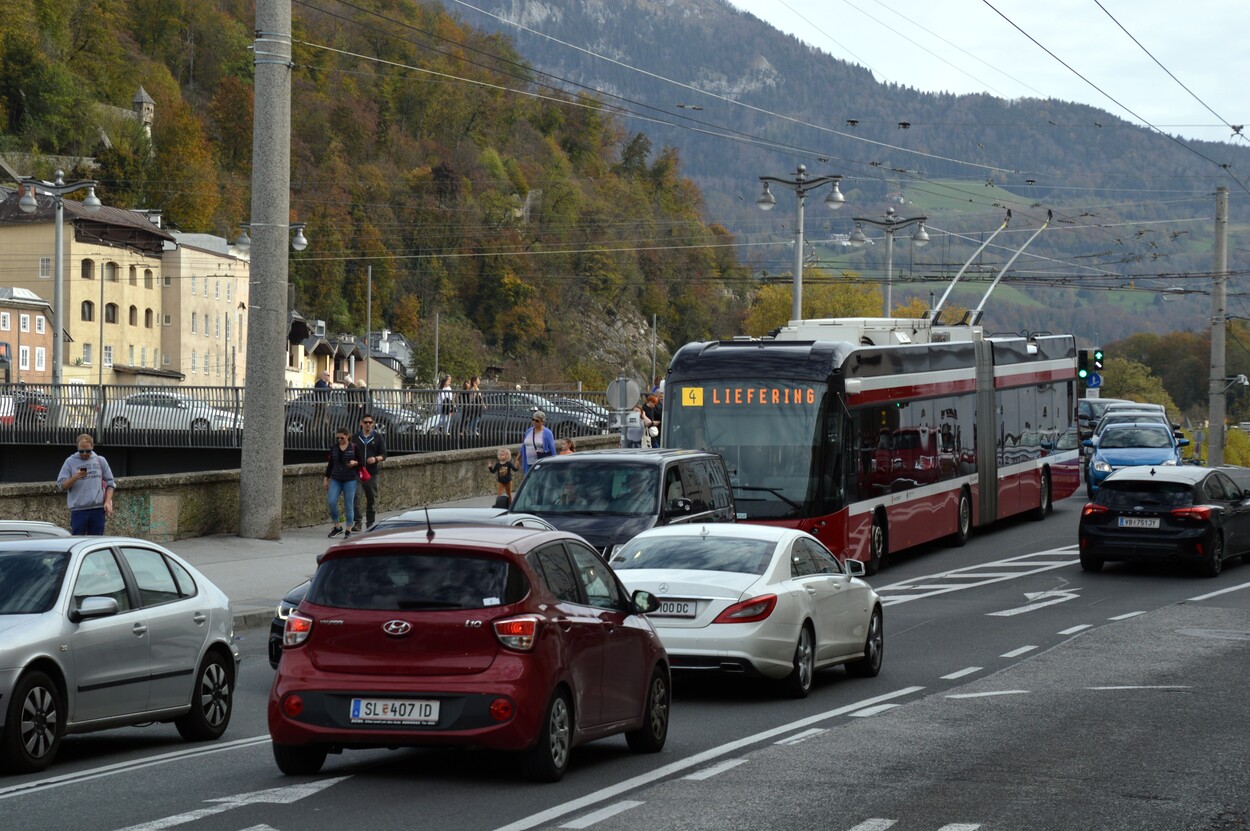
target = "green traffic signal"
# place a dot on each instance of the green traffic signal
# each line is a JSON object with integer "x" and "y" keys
{"x": 1098, "y": 354}
{"x": 1082, "y": 364}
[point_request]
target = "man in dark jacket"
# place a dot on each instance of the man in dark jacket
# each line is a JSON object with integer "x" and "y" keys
{"x": 373, "y": 446}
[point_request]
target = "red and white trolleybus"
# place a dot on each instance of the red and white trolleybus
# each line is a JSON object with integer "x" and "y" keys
{"x": 877, "y": 435}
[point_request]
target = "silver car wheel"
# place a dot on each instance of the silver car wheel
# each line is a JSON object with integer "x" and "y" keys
{"x": 560, "y": 732}
{"x": 215, "y": 694}
{"x": 38, "y": 724}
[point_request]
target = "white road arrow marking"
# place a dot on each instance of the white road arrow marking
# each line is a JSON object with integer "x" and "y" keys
{"x": 1038, "y": 600}
{"x": 272, "y": 796}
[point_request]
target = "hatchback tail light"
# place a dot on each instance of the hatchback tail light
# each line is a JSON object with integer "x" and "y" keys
{"x": 519, "y": 633}
{"x": 1092, "y": 508}
{"x": 749, "y": 611}
{"x": 298, "y": 628}
{"x": 1199, "y": 513}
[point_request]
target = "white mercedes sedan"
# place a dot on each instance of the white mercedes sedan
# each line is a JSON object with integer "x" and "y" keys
{"x": 755, "y": 600}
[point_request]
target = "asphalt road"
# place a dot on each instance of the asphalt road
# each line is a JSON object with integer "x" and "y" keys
{"x": 1018, "y": 692}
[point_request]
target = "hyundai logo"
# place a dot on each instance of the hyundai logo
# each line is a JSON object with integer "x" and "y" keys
{"x": 397, "y": 628}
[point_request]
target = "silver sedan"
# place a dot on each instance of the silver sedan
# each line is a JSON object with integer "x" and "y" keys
{"x": 755, "y": 600}
{"x": 102, "y": 632}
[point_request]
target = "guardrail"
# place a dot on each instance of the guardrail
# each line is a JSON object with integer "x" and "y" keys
{"x": 411, "y": 420}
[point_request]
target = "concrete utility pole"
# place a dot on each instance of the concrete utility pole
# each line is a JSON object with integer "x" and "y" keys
{"x": 1219, "y": 311}
{"x": 260, "y": 478}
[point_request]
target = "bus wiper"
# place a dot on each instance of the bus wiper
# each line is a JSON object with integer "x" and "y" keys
{"x": 795, "y": 505}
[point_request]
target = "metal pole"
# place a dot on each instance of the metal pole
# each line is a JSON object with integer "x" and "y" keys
{"x": 889, "y": 270}
{"x": 100, "y": 345}
{"x": 796, "y": 308}
{"x": 368, "y": 325}
{"x": 436, "y": 349}
{"x": 652, "y": 350}
{"x": 58, "y": 292}
{"x": 1219, "y": 312}
{"x": 260, "y": 485}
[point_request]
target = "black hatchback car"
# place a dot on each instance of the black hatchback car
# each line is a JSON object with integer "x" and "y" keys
{"x": 1197, "y": 515}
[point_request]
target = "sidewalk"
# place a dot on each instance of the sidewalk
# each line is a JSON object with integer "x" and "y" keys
{"x": 255, "y": 574}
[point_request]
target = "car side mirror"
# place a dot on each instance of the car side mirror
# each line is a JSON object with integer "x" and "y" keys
{"x": 94, "y": 607}
{"x": 1182, "y": 442}
{"x": 1088, "y": 443}
{"x": 681, "y": 505}
{"x": 855, "y": 568}
{"x": 645, "y": 602}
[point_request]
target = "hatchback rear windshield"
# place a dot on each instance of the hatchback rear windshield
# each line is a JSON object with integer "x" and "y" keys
{"x": 1125, "y": 437}
{"x": 30, "y": 581}
{"x": 744, "y": 556}
{"x": 406, "y": 581}
{"x": 1129, "y": 495}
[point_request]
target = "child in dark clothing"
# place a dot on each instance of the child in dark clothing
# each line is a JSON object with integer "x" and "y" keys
{"x": 503, "y": 470}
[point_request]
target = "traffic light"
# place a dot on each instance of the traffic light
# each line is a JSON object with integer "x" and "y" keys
{"x": 1082, "y": 364}
{"x": 1098, "y": 355}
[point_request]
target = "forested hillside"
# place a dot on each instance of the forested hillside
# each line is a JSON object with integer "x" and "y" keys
{"x": 531, "y": 222}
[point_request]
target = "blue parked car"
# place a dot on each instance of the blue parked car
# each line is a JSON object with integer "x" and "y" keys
{"x": 1130, "y": 445}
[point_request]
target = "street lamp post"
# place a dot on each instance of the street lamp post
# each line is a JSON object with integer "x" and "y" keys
{"x": 800, "y": 184}
{"x": 58, "y": 190}
{"x": 890, "y": 224}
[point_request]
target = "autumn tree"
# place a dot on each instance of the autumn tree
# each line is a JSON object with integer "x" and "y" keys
{"x": 823, "y": 296}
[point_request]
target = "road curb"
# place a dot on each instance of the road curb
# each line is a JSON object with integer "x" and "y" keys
{"x": 252, "y": 618}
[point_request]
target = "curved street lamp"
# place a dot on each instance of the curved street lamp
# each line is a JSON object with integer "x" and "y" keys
{"x": 801, "y": 185}
{"x": 243, "y": 243}
{"x": 890, "y": 224}
{"x": 58, "y": 190}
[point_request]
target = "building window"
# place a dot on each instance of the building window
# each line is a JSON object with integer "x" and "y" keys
{"x": 134, "y": 315}
{"x": 110, "y": 272}
{"x": 193, "y": 287}
{"x": 23, "y": 323}
{"x": 147, "y": 318}
{"x": 194, "y": 319}
{"x": 227, "y": 327}
{"x": 148, "y": 282}
{"x": 86, "y": 354}
{"x": 169, "y": 320}
{"x": 110, "y": 313}
{"x": 206, "y": 316}
{"x": 88, "y": 310}
{"x": 107, "y": 355}
{"x": 23, "y": 358}
{"x": 217, "y": 325}
{"x": 41, "y": 324}
{"x": 41, "y": 359}
{"x": 130, "y": 357}
{"x": 5, "y": 321}
{"x": 229, "y": 290}
{"x": 45, "y": 268}
{"x": 134, "y": 276}
{"x": 206, "y": 287}
{"x": 88, "y": 269}
{"x": 143, "y": 356}
{"x": 192, "y": 361}
{"x": 166, "y": 281}
{"x": 217, "y": 289}
{"x": 165, "y": 359}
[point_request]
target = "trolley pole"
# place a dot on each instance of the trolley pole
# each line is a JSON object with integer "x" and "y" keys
{"x": 1219, "y": 311}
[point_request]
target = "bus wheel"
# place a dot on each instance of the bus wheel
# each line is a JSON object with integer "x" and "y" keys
{"x": 1043, "y": 503}
{"x": 876, "y": 546}
{"x": 963, "y": 519}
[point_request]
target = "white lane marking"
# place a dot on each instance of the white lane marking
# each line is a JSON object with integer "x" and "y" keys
{"x": 874, "y": 824}
{"x": 1040, "y": 600}
{"x": 872, "y": 711}
{"x": 271, "y": 796}
{"x": 715, "y": 770}
{"x": 261, "y": 827}
{"x": 604, "y": 794}
{"x": 126, "y": 767}
{"x": 989, "y": 694}
{"x": 1072, "y": 630}
{"x": 961, "y": 673}
{"x": 1146, "y": 687}
{"x": 804, "y": 736}
{"x": 1221, "y": 591}
{"x": 983, "y": 575}
{"x": 602, "y": 814}
{"x": 961, "y": 826}
{"x": 1127, "y": 616}
{"x": 1016, "y": 653}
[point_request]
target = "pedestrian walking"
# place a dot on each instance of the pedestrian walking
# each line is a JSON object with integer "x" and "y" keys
{"x": 373, "y": 446}
{"x": 341, "y": 478}
{"x": 321, "y": 402}
{"x": 653, "y": 409}
{"x": 503, "y": 469}
{"x": 445, "y": 401}
{"x": 537, "y": 443}
{"x": 88, "y": 483}
{"x": 476, "y": 406}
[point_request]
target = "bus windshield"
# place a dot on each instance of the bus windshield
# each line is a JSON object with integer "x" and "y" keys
{"x": 765, "y": 429}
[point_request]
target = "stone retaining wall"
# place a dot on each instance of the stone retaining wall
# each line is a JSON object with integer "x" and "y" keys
{"x": 181, "y": 505}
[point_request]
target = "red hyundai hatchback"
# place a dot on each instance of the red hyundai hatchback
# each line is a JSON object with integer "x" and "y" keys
{"x": 494, "y": 637}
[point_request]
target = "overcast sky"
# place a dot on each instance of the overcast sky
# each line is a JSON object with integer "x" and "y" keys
{"x": 965, "y": 46}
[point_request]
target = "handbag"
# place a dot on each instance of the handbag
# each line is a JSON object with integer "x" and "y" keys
{"x": 365, "y": 475}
